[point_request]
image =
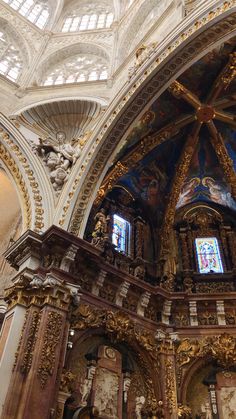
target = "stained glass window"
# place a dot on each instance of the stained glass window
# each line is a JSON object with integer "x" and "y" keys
{"x": 120, "y": 233}
{"x": 208, "y": 255}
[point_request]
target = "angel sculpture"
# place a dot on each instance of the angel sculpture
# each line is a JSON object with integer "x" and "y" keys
{"x": 59, "y": 155}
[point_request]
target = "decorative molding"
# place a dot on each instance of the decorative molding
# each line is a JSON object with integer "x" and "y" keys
{"x": 13, "y": 168}
{"x": 30, "y": 343}
{"x": 29, "y": 175}
{"x": 222, "y": 348}
{"x": 51, "y": 340}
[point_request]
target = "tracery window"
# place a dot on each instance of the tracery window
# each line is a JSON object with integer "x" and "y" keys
{"x": 121, "y": 234}
{"x": 76, "y": 69}
{"x": 87, "y": 21}
{"x": 10, "y": 58}
{"x": 37, "y": 11}
{"x": 208, "y": 255}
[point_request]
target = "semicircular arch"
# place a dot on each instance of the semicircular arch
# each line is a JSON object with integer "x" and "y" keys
{"x": 30, "y": 180}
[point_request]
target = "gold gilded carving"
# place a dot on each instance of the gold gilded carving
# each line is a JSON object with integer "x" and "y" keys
{"x": 20, "y": 341}
{"x": 131, "y": 159}
{"x": 177, "y": 89}
{"x": 15, "y": 171}
{"x": 229, "y": 72}
{"x": 30, "y": 344}
{"x": 225, "y": 161}
{"x": 211, "y": 288}
{"x": 117, "y": 172}
{"x": 184, "y": 412}
{"x": 207, "y": 318}
{"x": 67, "y": 381}
{"x": 222, "y": 348}
{"x": 115, "y": 322}
{"x": 170, "y": 385}
{"x": 24, "y": 293}
{"x": 50, "y": 341}
{"x": 230, "y": 316}
{"x": 202, "y": 217}
{"x": 179, "y": 178}
{"x": 122, "y": 329}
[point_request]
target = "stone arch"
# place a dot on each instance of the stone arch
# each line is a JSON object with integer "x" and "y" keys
{"x": 134, "y": 101}
{"x": 29, "y": 178}
{"x": 137, "y": 356}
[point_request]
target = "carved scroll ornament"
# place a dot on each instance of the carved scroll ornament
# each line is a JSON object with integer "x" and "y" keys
{"x": 221, "y": 348}
{"x": 50, "y": 341}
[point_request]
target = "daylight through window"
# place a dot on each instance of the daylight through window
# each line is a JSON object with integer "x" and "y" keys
{"x": 120, "y": 234}
{"x": 208, "y": 255}
{"x": 34, "y": 10}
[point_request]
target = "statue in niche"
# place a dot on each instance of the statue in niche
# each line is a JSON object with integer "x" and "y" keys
{"x": 139, "y": 404}
{"x": 141, "y": 55}
{"x": 86, "y": 385}
{"x": 100, "y": 232}
{"x": 59, "y": 155}
{"x": 206, "y": 412}
{"x": 139, "y": 272}
{"x": 169, "y": 266}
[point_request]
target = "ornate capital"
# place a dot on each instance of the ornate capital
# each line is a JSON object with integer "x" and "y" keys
{"x": 39, "y": 290}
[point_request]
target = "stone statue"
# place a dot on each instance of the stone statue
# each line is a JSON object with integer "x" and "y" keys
{"x": 67, "y": 381}
{"x": 86, "y": 386}
{"x": 100, "y": 232}
{"x": 85, "y": 389}
{"x": 59, "y": 156}
{"x": 142, "y": 54}
{"x": 169, "y": 266}
{"x": 139, "y": 403}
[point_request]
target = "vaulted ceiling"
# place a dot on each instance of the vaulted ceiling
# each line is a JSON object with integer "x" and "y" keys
{"x": 183, "y": 149}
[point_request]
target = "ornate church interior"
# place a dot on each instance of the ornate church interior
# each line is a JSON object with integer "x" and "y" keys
{"x": 117, "y": 204}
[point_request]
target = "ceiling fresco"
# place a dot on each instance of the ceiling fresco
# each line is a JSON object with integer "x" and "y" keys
{"x": 205, "y": 181}
{"x": 150, "y": 181}
{"x": 201, "y": 104}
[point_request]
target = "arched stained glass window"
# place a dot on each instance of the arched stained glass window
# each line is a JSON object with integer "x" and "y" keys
{"x": 88, "y": 21}
{"x": 208, "y": 255}
{"x": 77, "y": 69}
{"x": 121, "y": 234}
{"x": 37, "y": 11}
{"x": 10, "y": 58}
